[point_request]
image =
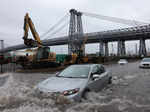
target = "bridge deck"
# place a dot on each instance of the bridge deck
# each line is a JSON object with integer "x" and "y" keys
{"x": 132, "y": 33}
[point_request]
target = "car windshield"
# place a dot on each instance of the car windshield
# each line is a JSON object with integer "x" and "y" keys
{"x": 146, "y": 60}
{"x": 75, "y": 71}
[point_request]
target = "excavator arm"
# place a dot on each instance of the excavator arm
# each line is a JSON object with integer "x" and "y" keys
{"x": 28, "y": 41}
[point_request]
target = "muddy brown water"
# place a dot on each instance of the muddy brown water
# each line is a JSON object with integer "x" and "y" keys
{"x": 129, "y": 92}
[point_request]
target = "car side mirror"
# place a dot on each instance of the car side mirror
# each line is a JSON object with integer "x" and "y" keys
{"x": 95, "y": 76}
{"x": 57, "y": 73}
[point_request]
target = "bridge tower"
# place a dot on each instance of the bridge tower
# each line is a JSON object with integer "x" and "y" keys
{"x": 72, "y": 31}
{"x": 121, "y": 48}
{"x": 75, "y": 33}
{"x": 80, "y": 36}
{"x": 142, "y": 48}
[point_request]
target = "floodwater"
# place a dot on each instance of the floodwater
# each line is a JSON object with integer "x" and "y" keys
{"x": 129, "y": 92}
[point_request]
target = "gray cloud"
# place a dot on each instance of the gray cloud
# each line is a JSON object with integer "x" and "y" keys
{"x": 45, "y": 13}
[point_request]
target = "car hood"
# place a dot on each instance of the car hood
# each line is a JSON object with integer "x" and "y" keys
{"x": 59, "y": 84}
{"x": 145, "y": 63}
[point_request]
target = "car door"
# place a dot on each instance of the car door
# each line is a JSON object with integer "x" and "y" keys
{"x": 97, "y": 84}
{"x": 104, "y": 76}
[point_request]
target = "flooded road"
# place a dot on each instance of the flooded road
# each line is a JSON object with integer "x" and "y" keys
{"x": 129, "y": 92}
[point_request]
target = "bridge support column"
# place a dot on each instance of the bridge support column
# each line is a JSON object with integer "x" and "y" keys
{"x": 121, "y": 48}
{"x": 142, "y": 48}
{"x": 101, "y": 48}
{"x": 106, "y": 49}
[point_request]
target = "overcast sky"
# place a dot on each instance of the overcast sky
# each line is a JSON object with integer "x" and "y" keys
{"x": 46, "y": 13}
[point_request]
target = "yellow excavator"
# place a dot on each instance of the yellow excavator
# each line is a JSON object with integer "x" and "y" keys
{"x": 42, "y": 56}
{"x": 79, "y": 57}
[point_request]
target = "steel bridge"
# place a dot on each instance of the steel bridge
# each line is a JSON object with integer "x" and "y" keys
{"x": 76, "y": 36}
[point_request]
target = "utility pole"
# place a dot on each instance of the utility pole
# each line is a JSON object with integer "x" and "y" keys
{"x": 1, "y": 55}
{"x": 2, "y": 44}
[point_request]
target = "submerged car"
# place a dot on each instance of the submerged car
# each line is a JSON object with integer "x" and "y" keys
{"x": 76, "y": 80}
{"x": 145, "y": 63}
{"x": 122, "y": 62}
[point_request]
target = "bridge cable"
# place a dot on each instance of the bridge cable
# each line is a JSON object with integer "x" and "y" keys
{"x": 115, "y": 19}
{"x": 54, "y": 26}
{"x": 58, "y": 30}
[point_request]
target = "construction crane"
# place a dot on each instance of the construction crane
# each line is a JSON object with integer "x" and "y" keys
{"x": 42, "y": 57}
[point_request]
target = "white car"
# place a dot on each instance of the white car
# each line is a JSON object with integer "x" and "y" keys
{"x": 122, "y": 61}
{"x": 145, "y": 63}
{"x": 76, "y": 80}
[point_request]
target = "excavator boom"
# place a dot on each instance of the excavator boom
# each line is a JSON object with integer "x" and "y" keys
{"x": 28, "y": 41}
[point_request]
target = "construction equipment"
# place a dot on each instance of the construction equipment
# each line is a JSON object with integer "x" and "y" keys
{"x": 79, "y": 57}
{"x": 42, "y": 56}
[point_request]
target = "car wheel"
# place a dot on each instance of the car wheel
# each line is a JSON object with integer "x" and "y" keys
{"x": 85, "y": 94}
{"x": 110, "y": 80}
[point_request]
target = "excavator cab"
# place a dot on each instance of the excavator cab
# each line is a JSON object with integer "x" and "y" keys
{"x": 42, "y": 53}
